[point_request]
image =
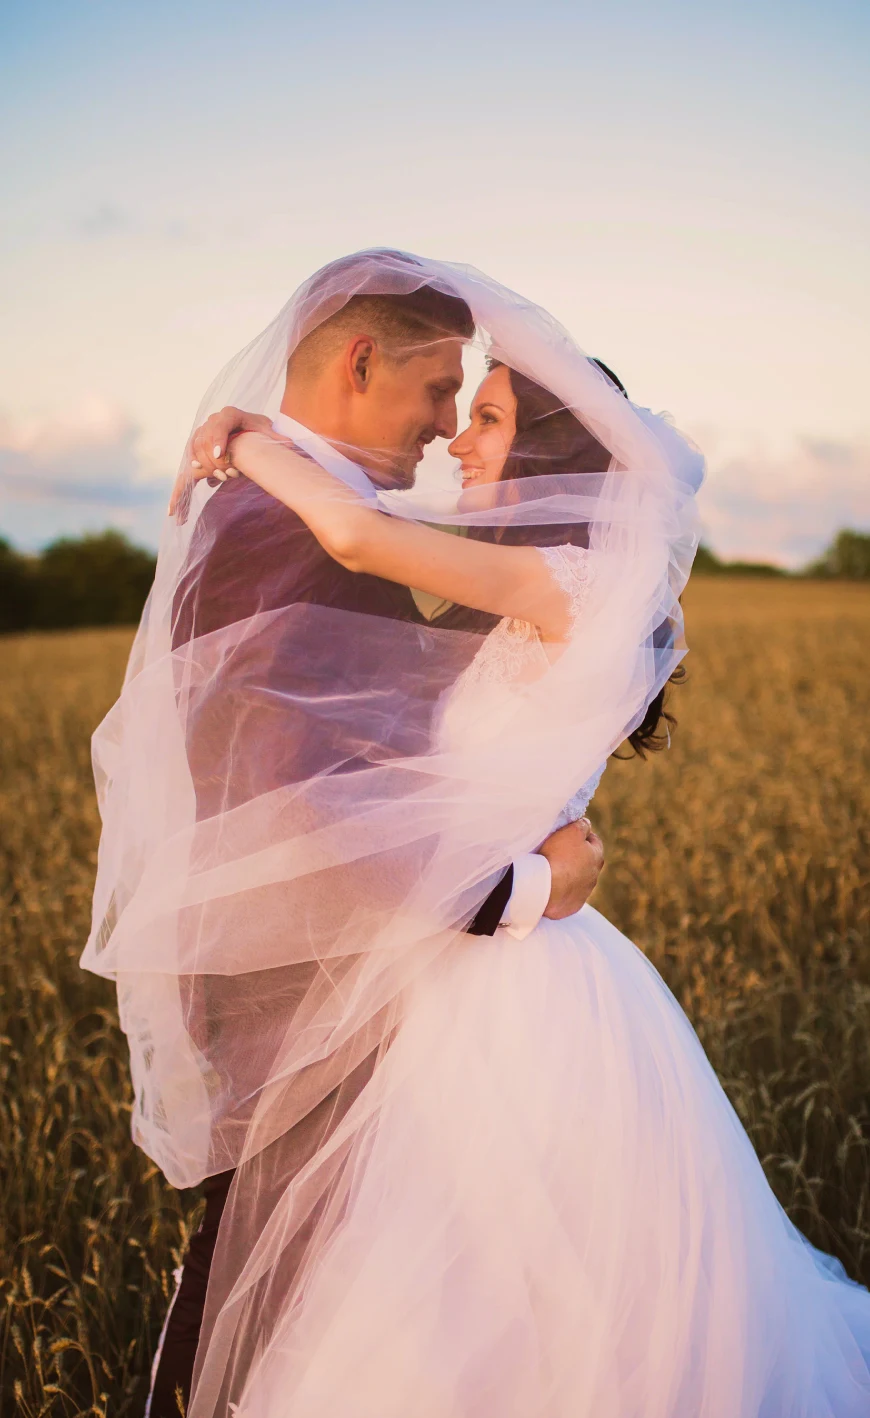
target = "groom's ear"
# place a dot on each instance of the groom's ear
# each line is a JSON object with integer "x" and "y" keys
{"x": 361, "y": 355}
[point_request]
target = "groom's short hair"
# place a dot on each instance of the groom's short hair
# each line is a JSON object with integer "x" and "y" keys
{"x": 401, "y": 322}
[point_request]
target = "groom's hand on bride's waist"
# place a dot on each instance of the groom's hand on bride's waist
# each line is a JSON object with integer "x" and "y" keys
{"x": 576, "y": 856}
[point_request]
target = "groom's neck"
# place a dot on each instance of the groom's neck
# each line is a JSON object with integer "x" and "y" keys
{"x": 312, "y": 406}
{"x": 320, "y": 411}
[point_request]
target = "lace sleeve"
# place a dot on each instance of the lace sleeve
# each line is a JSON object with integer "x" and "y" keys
{"x": 573, "y": 570}
{"x": 512, "y": 652}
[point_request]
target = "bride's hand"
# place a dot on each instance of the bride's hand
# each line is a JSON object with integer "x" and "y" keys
{"x": 209, "y": 455}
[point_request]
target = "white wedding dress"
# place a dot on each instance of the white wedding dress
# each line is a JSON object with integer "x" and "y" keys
{"x": 559, "y": 1214}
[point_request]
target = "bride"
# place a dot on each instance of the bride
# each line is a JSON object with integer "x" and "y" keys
{"x": 555, "y": 1210}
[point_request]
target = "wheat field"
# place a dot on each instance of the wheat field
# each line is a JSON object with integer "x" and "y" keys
{"x": 739, "y": 861}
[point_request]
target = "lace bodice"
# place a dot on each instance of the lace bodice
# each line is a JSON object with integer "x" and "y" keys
{"x": 513, "y": 652}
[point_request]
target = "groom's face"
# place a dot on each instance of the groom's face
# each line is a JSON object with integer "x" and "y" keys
{"x": 403, "y": 405}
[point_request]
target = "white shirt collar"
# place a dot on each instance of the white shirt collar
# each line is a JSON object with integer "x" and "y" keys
{"x": 327, "y": 456}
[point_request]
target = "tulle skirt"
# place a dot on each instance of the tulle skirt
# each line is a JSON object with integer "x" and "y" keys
{"x": 558, "y": 1215}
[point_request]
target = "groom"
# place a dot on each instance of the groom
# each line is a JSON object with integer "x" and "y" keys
{"x": 350, "y": 383}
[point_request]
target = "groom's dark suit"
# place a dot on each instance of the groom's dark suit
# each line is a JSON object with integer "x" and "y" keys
{"x": 250, "y": 554}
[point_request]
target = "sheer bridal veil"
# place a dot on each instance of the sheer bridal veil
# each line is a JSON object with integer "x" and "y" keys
{"x": 287, "y": 844}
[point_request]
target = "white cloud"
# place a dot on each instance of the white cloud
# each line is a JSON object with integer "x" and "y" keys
{"x": 79, "y": 471}
{"x": 784, "y": 506}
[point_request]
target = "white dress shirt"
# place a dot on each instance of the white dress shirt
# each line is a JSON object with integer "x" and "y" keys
{"x": 532, "y": 877}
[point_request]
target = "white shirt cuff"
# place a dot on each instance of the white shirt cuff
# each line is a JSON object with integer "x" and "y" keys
{"x": 528, "y": 899}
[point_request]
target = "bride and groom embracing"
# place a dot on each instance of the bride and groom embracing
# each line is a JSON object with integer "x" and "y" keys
{"x": 449, "y": 1176}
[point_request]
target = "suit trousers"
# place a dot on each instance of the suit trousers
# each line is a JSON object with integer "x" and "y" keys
{"x": 172, "y": 1371}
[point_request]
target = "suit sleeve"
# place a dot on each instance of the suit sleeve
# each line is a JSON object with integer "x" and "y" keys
{"x": 488, "y": 918}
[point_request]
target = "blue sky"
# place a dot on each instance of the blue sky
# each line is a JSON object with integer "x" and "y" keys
{"x": 686, "y": 187}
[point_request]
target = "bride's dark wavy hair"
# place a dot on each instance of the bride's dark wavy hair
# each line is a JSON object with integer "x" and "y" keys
{"x": 550, "y": 440}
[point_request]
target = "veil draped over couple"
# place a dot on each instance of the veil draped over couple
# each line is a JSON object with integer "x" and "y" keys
{"x": 463, "y": 1154}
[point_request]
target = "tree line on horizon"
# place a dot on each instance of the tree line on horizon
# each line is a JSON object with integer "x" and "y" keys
{"x": 99, "y": 579}
{"x": 103, "y": 578}
{"x": 846, "y": 559}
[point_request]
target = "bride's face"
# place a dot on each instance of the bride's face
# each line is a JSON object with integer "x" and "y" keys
{"x": 484, "y": 445}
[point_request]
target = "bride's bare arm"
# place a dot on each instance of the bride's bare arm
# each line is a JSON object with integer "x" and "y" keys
{"x": 507, "y": 581}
